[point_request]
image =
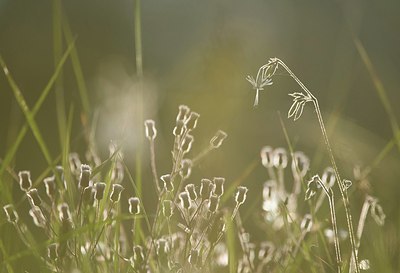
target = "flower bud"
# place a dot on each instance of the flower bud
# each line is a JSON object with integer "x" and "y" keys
{"x": 191, "y": 121}
{"x": 186, "y": 168}
{"x": 267, "y": 154}
{"x": 187, "y": 143}
{"x": 37, "y": 216}
{"x": 116, "y": 193}
{"x": 11, "y": 213}
{"x": 34, "y": 197}
{"x": 25, "y": 181}
{"x": 183, "y": 113}
{"x": 217, "y": 140}
{"x": 134, "y": 205}
{"x": 50, "y": 185}
{"x": 240, "y": 195}
{"x": 185, "y": 200}
{"x": 280, "y": 158}
{"x": 150, "y": 129}
{"x": 219, "y": 185}
{"x": 84, "y": 177}
{"x": 99, "y": 190}
{"x": 191, "y": 190}
{"x": 206, "y": 188}
{"x": 168, "y": 186}
{"x": 167, "y": 208}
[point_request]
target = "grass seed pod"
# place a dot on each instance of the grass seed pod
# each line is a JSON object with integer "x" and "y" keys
{"x": 280, "y": 158}
{"x": 38, "y": 217}
{"x": 241, "y": 194}
{"x": 99, "y": 190}
{"x": 166, "y": 179}
{"x": 183, "y": 113}
{"x": 34, "y": 198}
{"x": 217, "y": 140}
{"x": 191, "y": 190}
{"x": 11, "y": 213}
{"x": 179, "y": 128}
{"x": 187, "y": 143}
{"x": 186, "y": 168}
{"x": 50, "y": 185}
{"x": 134, "y": 205}
{"x": 52, "y": 251}
{"x": 88, "y": 196}
{"x": 213, "y": 203}
{"x": 84, "y": 177}
{"x": 150, "y": 129}
{"x": 194, "y": 257}
{"x": 59, "y": 175}
{"x": 167, "y": 208}
{"x": 206, "y": 188}
{"x": 116, "y": 193}
{"x": 219, "y": 185}
{"x": 267, "y": 156}
{"x": 185, "y": 200}
{"x": 64, "y": 213}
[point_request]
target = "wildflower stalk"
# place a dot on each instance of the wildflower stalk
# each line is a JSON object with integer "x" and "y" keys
{"x": 298, "y": 110}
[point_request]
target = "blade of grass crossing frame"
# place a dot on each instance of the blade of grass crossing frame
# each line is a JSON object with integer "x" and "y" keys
{"x": 380, "y": 89}
{"x": 13, "y": 149}
{"x": 57, "y": 51}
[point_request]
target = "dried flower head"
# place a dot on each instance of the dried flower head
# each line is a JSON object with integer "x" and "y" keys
{"x": 134, "y": 205}
{"x": 50, "y": 185}
{"x": 64, "y": 213}
{"x": 179, "y": 128}
{"x": 300, "y": 164}
{"x": 191, "y": 190}
{"x": 240, "y": 195}
{"x": 166, "y": 179}
{"x": 213, "y": 203}
{"x": 187, "y": 143}
{"x": 59, "y": 176}
{"x": 25, "y": 181}
{"x": 280, "y": 158}
{"x": 11, "y": 213}
{"x": 183, "y": 113}
{"x": 116, "y": 193}
{"x": 150, "y": 129}
{"x": 34, "y": 198}
{"x": 186, "y": 168}
{"x": 84, "y": 177}
{"x": 37, "y": 216}
{"x": 99, "y": 190}
{"x": 219, "y": 185}
{"x": 267, "y": 156}
{"x": 312, "y": 186}
{"x": 191, "y": 121}
{"x": 206, "y": 188}
{"x": 168, "y": 208}
{"x": 88, "y": 195}
{"x": 217, "y": 140}
{"x": 185, "y": 200}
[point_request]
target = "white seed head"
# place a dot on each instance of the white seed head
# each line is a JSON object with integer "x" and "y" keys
{"x": 300, "y": 164}
{"x": 187, "y": 143}
{"x": 241, "y": 194}
{"x": 34, "y": 197}
{"x": 206, "y": 188}
{"x": 134, "y": 205}
{"x": 280, "y": 158}
{"x": 185, "y": 200}
{"x": 267, "y": 156}
{"x": 99, "y": 190}
{"x": 50, "y": 185}
{"x": 166, "y": 179}
{"x": 116, "y": 193}
{"x": 183, "y": 113}
{"x": 213, "y": 203}
{"x": 37, "y": 216}
{"x": 217, "y": 140}
{"x": 168, "y": 208}
{"x": 191, "y": 190}
{"x": 150, "y": 129}
{"x": 11, "y": 213}
{"x": 25, "y": 181}
{"x": 191, "y": 121}
{"x": 64, "y": 213}
{"x": 219, "y": 185}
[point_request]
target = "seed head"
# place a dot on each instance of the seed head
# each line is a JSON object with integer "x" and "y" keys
{"x": 183, "y": 113}
{"x": 306, "y": 223}
{"x": 167, "y": 208}
{"x": 84, "y": 177}
{"x": 219, "y": 185}
{"x": 50, "y": 185}
{"x": 267, "y": 154}
{"x": 186, "y": 168}
{"x": 218, "y": 139}
{"x": 187, "y": 143}
{"x": 52, "y": 251}
{"x": 59, "y": 174}
{"x": 166, "y": 179}
{"x": 213, "y": 203}
{"x": 162, "y": 247}
{"x": 185, "y": 200}
{"x": 64, "y": 213}
{"x": 191, "y": 121}
{"x": 328, "y": 177}
{"x": 312, "y": 186}
{"x": 206, "y": 188}
{"x": 88, "y": 195}
{"x": 150, "y": 129}
{"x": 37, "y": 216}
{"x": 300, "y": 164}
{"x": 134, "y": 205}
{"x": 11, "y": 213}
{"x": 25, "y": 181}
{"x": 138, "y": 254}
{"x": 99, "y": 190}
{"x": 241, "y": 194}
{"x": 116, "y": 193}
{"x": 194, "y": 257}
{"x": 34, "y": 197}
{"x": 191, "y": 190}
{"x": 280, "y": 158}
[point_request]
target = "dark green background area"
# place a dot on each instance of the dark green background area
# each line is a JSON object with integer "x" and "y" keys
{"x": 198, "y": 53}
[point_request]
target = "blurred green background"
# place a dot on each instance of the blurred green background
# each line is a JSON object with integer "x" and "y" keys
{"x": 198, "y": 53}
